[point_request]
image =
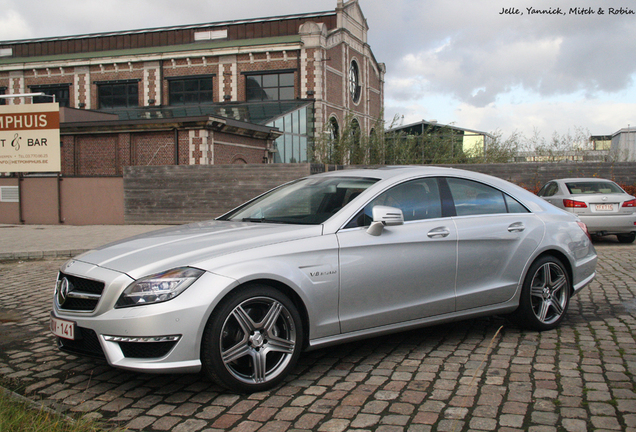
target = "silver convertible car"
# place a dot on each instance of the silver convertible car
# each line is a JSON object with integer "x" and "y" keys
{"x": 322, "y": 260}
{"x": 602, "y": 205}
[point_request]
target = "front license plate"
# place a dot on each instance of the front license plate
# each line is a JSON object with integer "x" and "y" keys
{"x": 604, "y": 207}
{"x": 62, "y": 328}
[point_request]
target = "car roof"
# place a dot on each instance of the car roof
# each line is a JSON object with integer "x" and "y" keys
{"x": 399, "y": 173}
{"x": 591, "y": 179}
{"x": 387, "y": 172}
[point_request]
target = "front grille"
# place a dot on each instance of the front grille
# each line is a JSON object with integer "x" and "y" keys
{"x": 83, "y": 294}
{"x": 84, "y": 285}
{"x": 85, "y": 343}
{"x": 146, "y": 349}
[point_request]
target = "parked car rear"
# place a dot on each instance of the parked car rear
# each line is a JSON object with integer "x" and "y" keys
{"x": 601, "y": 204}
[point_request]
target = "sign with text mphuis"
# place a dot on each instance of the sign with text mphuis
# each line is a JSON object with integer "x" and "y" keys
{"x": 30, "y": 138}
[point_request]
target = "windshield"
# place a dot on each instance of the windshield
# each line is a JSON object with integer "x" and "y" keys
{"x": 309, "y": 201}
{"x": 601, "y": 187}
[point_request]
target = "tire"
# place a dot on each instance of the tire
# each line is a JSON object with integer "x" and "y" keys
{"x": 626, "y": 238}
{"x": 252, "y": 340}
{"x": 545, "y": 295}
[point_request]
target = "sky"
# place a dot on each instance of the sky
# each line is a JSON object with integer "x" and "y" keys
{"x": 489, "y": 65}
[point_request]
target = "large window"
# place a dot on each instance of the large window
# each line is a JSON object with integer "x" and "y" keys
{"x": 293, "y": 146}
{"x": 269, "y": 86}
{"x": 61, "y": 93}
{"x": 191, "y": 91}
{"x": 119, "y": 94}
{"x": 3, "y": 90}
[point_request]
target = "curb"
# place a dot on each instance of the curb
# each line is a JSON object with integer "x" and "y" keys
{"x": 34, "y": 405}
{"x": 36, "y": 255}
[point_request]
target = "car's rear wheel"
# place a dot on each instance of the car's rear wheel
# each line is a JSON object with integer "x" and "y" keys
{"x": 545, "y": 295}
{"x": 626, "y": 238}
{"x": 252, "y": 340}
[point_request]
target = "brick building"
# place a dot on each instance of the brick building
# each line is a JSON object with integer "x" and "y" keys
{"x": 247, "y": 91}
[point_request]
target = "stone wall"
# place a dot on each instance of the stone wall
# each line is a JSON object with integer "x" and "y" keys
{"x": 534, "y": 175}
{"x": 191, "y": 193}
{"x": 182, "y": 194}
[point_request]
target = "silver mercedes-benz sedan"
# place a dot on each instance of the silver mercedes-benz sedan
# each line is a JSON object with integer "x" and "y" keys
{"x": 325, "y": 259}
{"x": 604, "y": 207}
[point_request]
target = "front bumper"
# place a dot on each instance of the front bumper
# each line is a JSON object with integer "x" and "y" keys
{"x": 162, "y": 337}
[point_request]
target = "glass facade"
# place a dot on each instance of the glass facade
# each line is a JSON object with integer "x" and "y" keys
{"x": 294, "y": 145}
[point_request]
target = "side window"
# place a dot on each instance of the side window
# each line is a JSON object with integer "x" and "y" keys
{"x": 473, "y": 198}
{"x": 548, "y": 190}
{"x": 418, "y": 199}
{"x": 514, "y": 206}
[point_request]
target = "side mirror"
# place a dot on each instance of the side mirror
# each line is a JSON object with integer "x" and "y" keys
{"x": 384, "y": 216}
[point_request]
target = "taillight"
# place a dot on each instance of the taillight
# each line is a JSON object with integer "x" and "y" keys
{"x": 630, "y": 203}
{"x": 574, "y": 204}
{"x": 584, "y": 228}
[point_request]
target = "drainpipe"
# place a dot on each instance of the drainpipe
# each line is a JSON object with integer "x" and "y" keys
{"x": 59, "y": 198}
{"x": 20, "y": 211}
{"x": 176, "y": 146}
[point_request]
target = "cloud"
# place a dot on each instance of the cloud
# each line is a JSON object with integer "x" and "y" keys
{"x": 548, "y": 116}
{"x": 458, "y": 61}
{"x": 476, "y": 55}
{"x": 13, "y": 26}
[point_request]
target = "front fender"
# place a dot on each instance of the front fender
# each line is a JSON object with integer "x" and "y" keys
{"x": 309, "y": 267}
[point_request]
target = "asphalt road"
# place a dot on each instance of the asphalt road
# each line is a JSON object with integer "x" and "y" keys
{"x": 480, "y": 375}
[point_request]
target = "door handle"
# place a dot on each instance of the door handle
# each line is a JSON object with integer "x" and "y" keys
{"x": 439, "y": 232}
{"x": 516, "y": 227}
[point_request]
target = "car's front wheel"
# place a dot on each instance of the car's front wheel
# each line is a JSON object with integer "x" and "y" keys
{"x": 545, "y": 295}
{"x": 252, "y": 340}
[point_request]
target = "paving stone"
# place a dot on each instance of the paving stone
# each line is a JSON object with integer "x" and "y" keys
{"x": 444, "y": 379}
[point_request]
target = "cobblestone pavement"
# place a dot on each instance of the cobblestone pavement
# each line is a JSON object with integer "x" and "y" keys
{"x": 480, "y": 375}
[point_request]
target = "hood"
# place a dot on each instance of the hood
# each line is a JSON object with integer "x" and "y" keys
{"x": 188, "y": 245}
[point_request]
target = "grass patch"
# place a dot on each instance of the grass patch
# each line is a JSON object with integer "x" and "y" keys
{"x": 17, "y": 415}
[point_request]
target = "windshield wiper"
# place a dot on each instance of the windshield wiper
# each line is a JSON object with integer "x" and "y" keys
{"x": 262, "y": 220}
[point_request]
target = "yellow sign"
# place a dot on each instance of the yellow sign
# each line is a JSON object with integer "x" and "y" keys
{"x": 30, "y": 138}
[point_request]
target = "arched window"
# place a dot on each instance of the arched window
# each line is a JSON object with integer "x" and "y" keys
{"x": 356, "y": 155}
{"x": 354, "y": 81}
{"x": 333, "y": 131}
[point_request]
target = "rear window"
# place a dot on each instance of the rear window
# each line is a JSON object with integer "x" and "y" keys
{"x": 582, "y": 188}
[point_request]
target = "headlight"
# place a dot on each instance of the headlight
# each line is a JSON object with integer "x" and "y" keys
{"x": 159, "y": 287}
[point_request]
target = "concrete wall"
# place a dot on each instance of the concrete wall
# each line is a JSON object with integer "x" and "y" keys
{"x": 73, "y": 201}
{"x": 9, "y": 211}
{"x": 93, "y": 201}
